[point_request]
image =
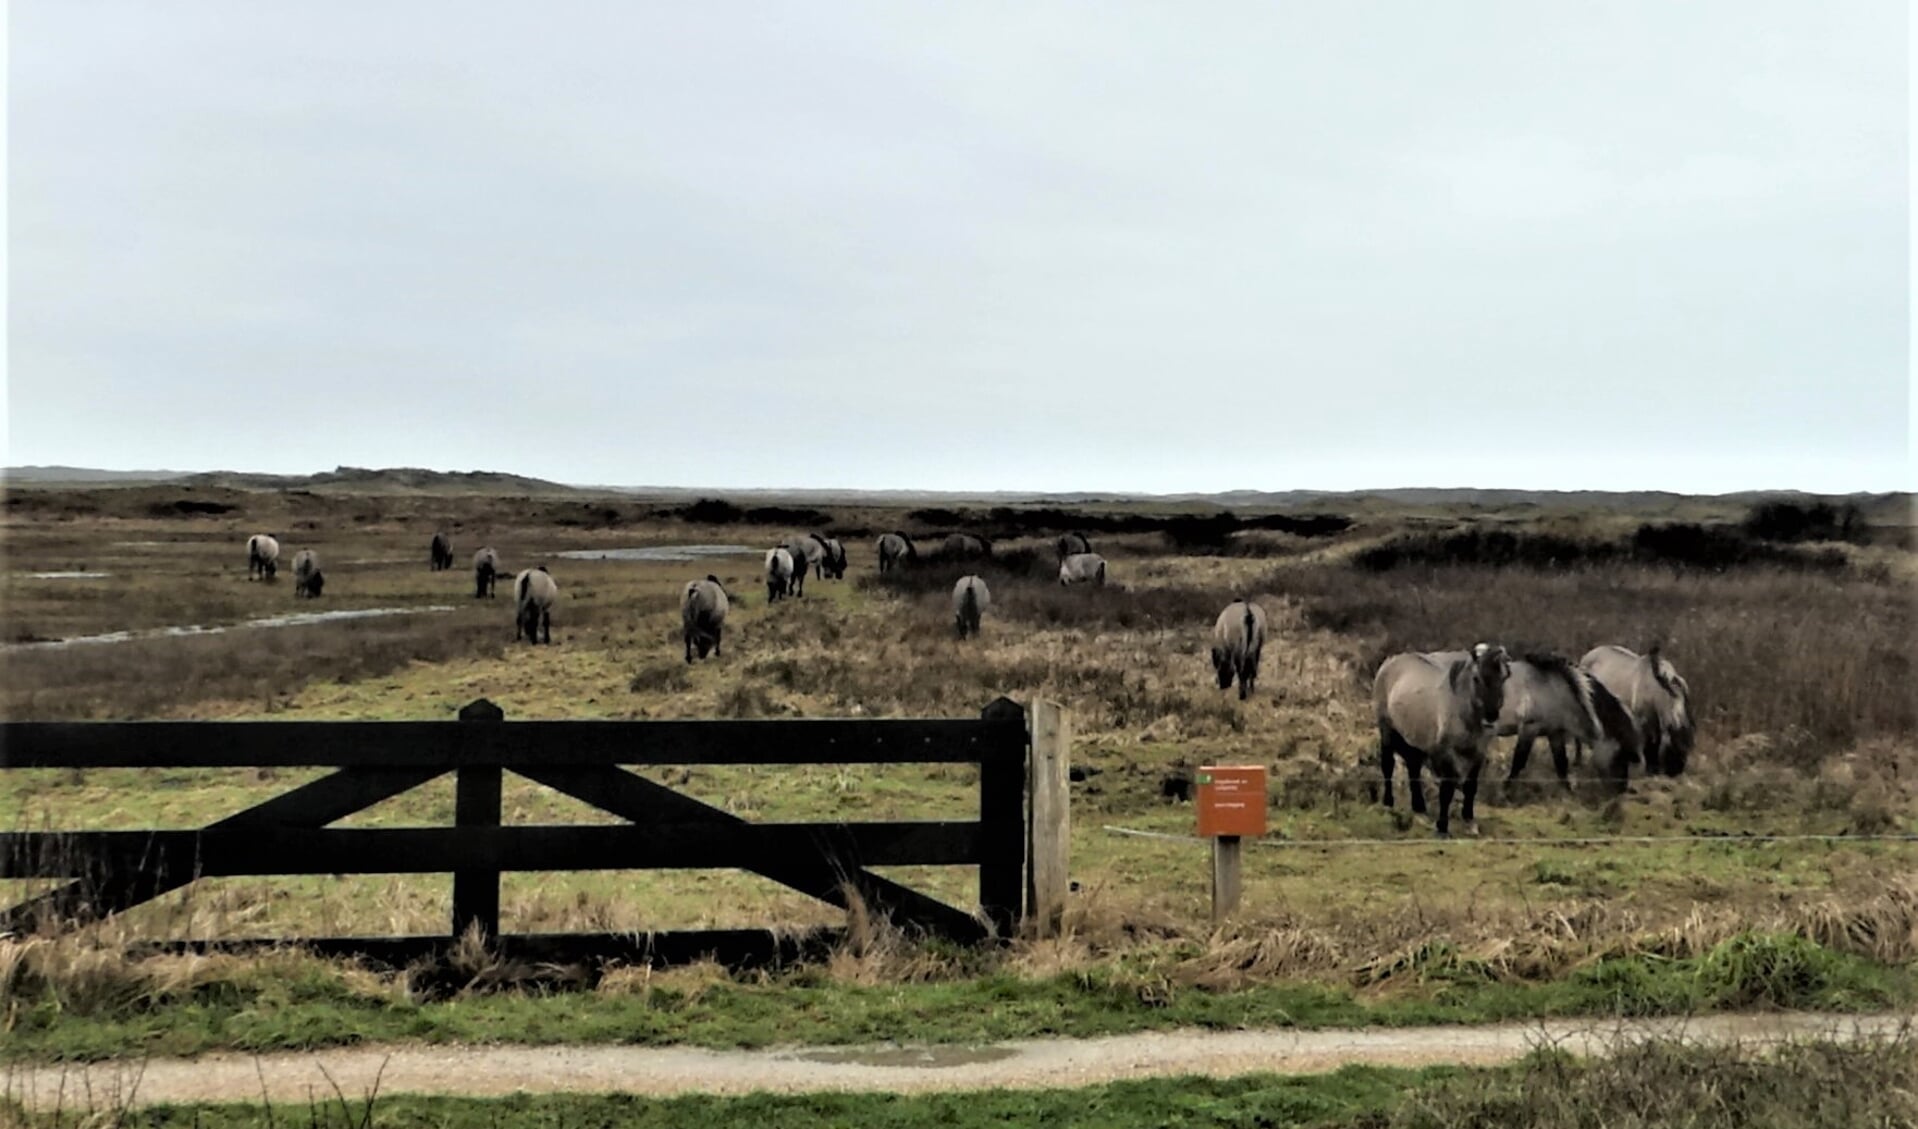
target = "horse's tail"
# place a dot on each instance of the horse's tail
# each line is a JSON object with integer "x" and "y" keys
{"x": 1615, "y": 721}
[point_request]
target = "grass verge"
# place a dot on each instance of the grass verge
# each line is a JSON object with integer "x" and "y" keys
{"x": 289, "y": 1001}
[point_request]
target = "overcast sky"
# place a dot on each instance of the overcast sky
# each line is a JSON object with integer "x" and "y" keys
{"x": 1150, "y": 247}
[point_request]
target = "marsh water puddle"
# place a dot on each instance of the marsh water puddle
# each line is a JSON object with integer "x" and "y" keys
{"x": 914, "y": 1058}
{"x": 70, "y": 575}
{"x": 658, "y": 553}
{"x": 290, "y": 619}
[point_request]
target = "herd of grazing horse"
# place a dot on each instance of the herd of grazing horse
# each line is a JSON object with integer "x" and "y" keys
{"x": 534, "y": 590}
{"x": 1441, "y": 708}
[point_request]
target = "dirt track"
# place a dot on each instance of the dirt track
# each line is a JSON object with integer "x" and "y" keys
{"x": 664, "y": 1071}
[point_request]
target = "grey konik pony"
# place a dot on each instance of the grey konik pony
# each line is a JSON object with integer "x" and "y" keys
{"x": 831, "y": 564}
{"x": 308, "y": 580}
{"x": 1440, "y": 706}
{"x": 1070, "y": 544}
{"x": 1546, "y": 696}
{"x": 702, "y": 614}
{"x": 779, "y": 573}
{"x": 895, "y": 549}
{"x": 1658, "y": 700}
{"x": 807, "y": 553}
{"x": 534, "y": 593}
{"x": 965, "y": 547}
{"x": 442, "y": 550}
{"x": 1237, "y": 639}
{"x": 1083, "y": 568}
{"x": 262, "y": 557}
{"x": 485, "y": 571}
{"x": 970, "y": 599}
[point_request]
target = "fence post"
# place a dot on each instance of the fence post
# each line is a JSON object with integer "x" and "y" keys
{"x": 1049, "y": 845}
{"x": 1002, "y": 820}
{"x": 1227, "y": 852}
{"x": 476, "y": 803}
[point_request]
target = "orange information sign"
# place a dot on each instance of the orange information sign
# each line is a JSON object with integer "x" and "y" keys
{"x": 1231, "y": 800}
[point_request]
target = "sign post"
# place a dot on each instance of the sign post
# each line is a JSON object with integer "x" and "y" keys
{"x": 1231, "y": 805}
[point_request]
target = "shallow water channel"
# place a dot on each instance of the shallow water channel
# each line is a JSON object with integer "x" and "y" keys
{"x": 658, "y": 553}
{"x": 290, "y": 619}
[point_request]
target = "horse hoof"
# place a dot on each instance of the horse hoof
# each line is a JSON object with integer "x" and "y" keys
{"x": 1442, "y": 834}
{"x": 1471, "y": 828}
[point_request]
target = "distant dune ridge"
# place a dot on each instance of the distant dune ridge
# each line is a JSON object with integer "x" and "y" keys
{"x": 1895, "y": 508}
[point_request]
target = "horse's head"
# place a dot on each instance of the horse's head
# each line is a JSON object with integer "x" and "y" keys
{"x": 1491, "y": 666}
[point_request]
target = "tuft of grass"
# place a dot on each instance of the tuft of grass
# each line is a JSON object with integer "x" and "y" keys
{"x": 1812, "y": 1085}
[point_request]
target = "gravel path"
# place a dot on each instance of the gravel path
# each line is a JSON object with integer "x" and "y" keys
{"x": 484, "y": 1071}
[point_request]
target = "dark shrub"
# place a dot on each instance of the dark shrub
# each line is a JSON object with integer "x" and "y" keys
{"x": 710, "y": 511}
{"x": 1817, "y": 521}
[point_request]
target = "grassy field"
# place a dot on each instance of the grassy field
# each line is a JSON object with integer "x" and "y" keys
{"x": 1813, "y": 1086}
{"x": 1802, "y": 674}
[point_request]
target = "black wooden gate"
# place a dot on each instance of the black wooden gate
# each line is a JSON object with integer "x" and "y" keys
{"x": 110, "y": 871}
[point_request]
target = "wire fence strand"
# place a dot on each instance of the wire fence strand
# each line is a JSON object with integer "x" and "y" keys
{"x": 1532, "y": 841}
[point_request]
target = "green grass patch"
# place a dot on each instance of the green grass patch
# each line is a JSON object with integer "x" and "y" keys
{"x": 1334, "y": 1099}
{"x": 293, "y": 1003}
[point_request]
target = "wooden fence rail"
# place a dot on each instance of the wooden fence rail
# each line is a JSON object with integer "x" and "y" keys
{"x": 111, "y": 871}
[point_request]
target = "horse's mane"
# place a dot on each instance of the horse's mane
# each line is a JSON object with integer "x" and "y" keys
{"x": 1581, "y": 684}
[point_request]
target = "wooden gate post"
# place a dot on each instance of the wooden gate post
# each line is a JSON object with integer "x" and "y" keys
{"x": 1002, "y": 827}
{"x": 1049, "y": 844}
{"x": 476, "y": 803}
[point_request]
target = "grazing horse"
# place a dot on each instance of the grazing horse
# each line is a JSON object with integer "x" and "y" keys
{"x": 779, "y": 573}
{"x": 1658, "y": 700}
{"x": 442, "y": 550}
{"x": 1546, "y": 696}
{"x": 1237, "y": 639}
{"x": 534, "y": 593}
{"x": 702, "y": 614}
{"x": 1083, "y": 568}
{"x": 969, "y": 601}
{"x": 895, "y": 549}
{"x": 262, "y": 557}
{"x": 807, "y": 554}
{"x": 833, "y": 565}
{"x": 1072, "y": 544}
{"x": 1443, "y": 706}
{"x": 965, "y": 547}
{"x": 307, "y": 577}
{"x": 485, "y": 571}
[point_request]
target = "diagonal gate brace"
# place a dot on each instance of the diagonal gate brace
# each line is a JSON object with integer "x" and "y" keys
{"x": 314, "y": 804}
{"x": 823, "y": 875}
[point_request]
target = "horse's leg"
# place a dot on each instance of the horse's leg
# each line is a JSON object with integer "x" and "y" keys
{"x": 1619, "y": 771}
{"x": 1447, "y": 774}
{"x": 1414, "y": 766}
{"x": 1559, "y": 762}
{"x": 1652, "y": 743}
{"x": 1521, "y": 753}
{"x": 1471, "y": 794}
{"x": 1385, "y": 761}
